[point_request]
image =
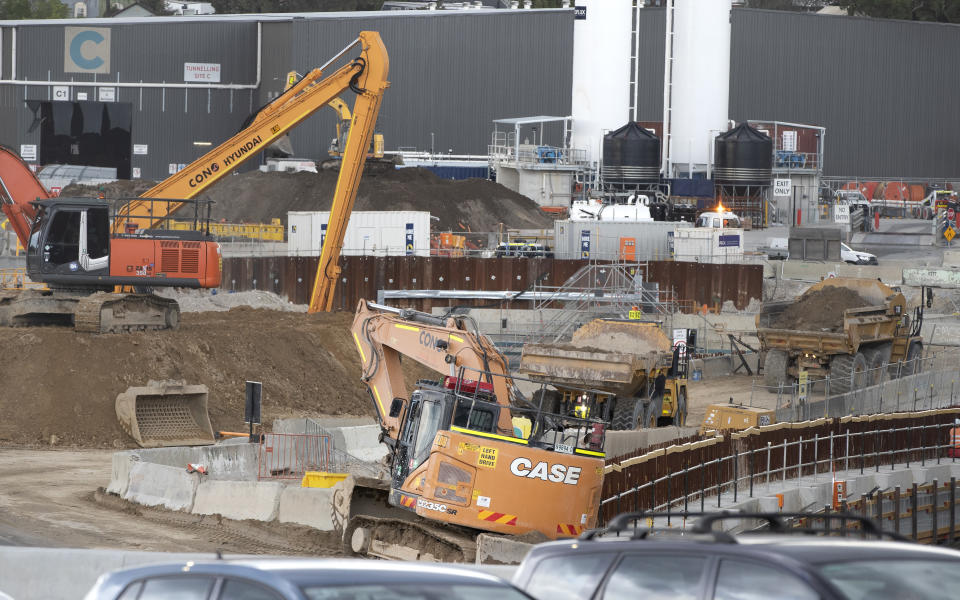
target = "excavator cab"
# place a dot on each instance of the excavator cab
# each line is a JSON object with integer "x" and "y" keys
{"x": 69, "y": 237}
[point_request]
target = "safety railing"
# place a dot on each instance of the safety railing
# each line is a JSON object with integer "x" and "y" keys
{"x": 290, "y": 455}
{"x": 920, "y": 384}
{"x": 755, "y": 464}
{"x": 16, "y": 279}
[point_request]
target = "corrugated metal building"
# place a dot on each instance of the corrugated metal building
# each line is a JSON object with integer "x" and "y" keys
{"x": 451, "y": 73}
{"x": 883, "y": 89}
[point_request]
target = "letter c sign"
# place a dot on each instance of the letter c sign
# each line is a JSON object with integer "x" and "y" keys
{"x": 86, "y": 50}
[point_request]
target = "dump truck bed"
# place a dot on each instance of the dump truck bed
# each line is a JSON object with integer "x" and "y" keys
{"x": 618, "y": 373}
{"x": 860, "y": 326}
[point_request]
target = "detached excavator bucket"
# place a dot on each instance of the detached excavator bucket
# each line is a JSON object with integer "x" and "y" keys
{"x": 166, "y": 414}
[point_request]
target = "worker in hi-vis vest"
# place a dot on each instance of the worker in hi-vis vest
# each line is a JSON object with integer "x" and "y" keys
{"x": 954, "y": 436}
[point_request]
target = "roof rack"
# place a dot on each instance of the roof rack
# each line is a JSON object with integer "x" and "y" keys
{"x": 776, "y": 522}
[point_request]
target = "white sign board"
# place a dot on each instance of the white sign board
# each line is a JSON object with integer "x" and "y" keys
{"x": 107, "y": 94}
{"x": 136, "y": 172}
{"x": 841, "y": 213}
{"x": 28, "y": 152}
{"x": 789, "y": 141}
{"x": 61, "y": 92}
{"x": 86, "y": 50}
{"x": 139, "y": 148}
{"x": 782, "y": 187}
{"x": 81, "y": 96}
{"x": 206, "y": 72}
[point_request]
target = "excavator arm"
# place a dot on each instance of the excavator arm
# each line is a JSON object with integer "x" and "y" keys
{"x": 383, "y": 334}
{"x": 18, "y": 188}
{"x": 366, "y": 75}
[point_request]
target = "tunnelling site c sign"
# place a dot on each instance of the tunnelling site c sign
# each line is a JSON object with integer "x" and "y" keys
{"x": 86, "y": 50}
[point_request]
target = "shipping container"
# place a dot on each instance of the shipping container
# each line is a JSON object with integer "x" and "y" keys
{"x": 369, "y": 233}
{"x": 605, "y": 240}
{"x": 709, "y": 245}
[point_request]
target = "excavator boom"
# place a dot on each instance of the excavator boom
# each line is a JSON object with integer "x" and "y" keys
{"x": 365, "y": 74}
{"x": 18, "y": 188}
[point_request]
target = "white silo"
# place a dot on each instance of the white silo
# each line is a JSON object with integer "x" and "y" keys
{"x": 696, "y": 82}
{"x": 601, "y": 72}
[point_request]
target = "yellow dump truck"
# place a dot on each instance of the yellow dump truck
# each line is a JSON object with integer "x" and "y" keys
{"x": 635, "y": 377}
{"x": 848, "y": 344}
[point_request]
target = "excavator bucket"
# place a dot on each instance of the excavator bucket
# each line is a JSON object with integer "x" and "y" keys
{"x": 167, "y": 413}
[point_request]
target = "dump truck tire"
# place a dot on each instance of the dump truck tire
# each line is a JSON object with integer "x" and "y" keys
{"x": 680, "y": 420}
{"x": 625, "y": 413}
{"x": 847, "y": 372}
{"x": 775, "y": 368}
{"x": 913, "y": 365}
{"x": 551, "y": 401}
{"x": 654, "y": 408}
{"x": 876, "y": 356}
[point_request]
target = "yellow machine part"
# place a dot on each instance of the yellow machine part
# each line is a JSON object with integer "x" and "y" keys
{"x": 736, "y": 417}
{"x": 322, "y": 479}
{"x": 168, "y": 413}
{"x": 272, "y": 232}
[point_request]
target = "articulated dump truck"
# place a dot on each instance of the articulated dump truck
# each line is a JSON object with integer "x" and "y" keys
{"x": 846, "y": 328}
{"x": 620, "y": 361}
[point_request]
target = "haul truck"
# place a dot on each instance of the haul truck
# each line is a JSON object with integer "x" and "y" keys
{"x": 620, "y": 362}
{"x": 871, "y": 336}
{"x": 467, "y": 454}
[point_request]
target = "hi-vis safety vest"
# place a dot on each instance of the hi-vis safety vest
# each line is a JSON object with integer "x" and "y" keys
{"x": 955, "y": 437}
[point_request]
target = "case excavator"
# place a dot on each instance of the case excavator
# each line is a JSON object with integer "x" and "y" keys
{"x": 467, "y": 453}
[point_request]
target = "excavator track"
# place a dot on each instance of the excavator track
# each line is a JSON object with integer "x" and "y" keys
{"x": 104, "y": 312}
{"x": 396, "y": 539}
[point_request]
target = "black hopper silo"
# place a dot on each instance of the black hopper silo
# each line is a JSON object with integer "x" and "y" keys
{"x": 631, "y": 156}
{"x": 743, "y": 156}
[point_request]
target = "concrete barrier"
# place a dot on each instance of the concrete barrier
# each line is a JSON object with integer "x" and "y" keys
{"x": 238, "y": 499}
{"x": 618, "y": 443}
{"x": 497, "y": 550}
{"x": 307, "y": 506}
{"x": 122, "y": 462}
{"x": 362, "y": 442}
{"x": 160, "y": 485}
{"x": 223, "y": 461}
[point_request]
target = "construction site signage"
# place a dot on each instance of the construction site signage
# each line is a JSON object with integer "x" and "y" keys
{"x": 782, "y": 187}
{"x": 580, "y": 13}
{"x": 802, "y": 379}
{"x": 204, "y": 72}
{"x": 86, "y": 49}
{"x": 841, "y": 213}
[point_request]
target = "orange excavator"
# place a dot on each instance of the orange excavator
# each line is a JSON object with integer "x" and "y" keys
{"x": 71, "y": 249}
{"x": 467, "y": 454}
{"x": 82, "y": 251}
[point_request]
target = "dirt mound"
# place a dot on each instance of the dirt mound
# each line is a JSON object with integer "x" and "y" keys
{"x": 60, "y": 383}
{"x": 820, "y": 310}
{"x": 256, "y": 197}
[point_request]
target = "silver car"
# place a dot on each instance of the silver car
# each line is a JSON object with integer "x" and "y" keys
{"x": 301, "y": 579}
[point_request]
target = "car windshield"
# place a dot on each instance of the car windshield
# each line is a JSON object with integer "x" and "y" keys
{"x": 895, "y": 579}
{"x": 418, "y": 591}
{"x": 845, "y": 247}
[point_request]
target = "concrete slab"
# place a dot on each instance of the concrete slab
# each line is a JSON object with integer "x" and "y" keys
{"x": 258, "y": 500}
{"x": 891, "y": 479}
{"x": 122, "y": 462}
{"x": 306, "y": 506}
{"x": 497, "y": 550}
{"x": 619, "y": 443}
{"x": 159, "y": 485}
{"x": 815, "y": 495}
{"x": 362, "y": 441}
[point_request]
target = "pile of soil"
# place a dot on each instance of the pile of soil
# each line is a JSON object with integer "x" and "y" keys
{"x": 256, "y": 197}
{"x": 60, "y": 386}
{"x": 820, "y": 310}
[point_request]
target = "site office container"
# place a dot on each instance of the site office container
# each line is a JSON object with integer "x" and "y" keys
{"x": 369, "y": 233}
{"x": 709, "y": 245}
{"x": 607, "y": 240}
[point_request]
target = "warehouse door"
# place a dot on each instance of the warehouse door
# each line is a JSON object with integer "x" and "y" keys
{"x": 86, "y": 133}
